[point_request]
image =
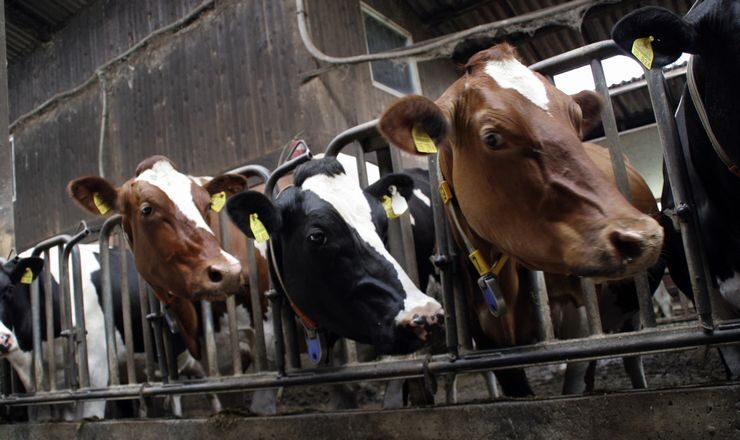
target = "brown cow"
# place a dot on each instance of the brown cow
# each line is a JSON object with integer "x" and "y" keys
{"x": 165, "y": 216}
{"x": 510, "y": 149}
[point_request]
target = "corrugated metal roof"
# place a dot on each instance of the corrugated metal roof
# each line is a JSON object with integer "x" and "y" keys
{"x": 29, "y": 23}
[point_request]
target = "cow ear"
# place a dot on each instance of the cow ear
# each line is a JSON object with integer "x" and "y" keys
{"x": 590, "y": 103}
{"x": 403, "y": 183}
{"x": 94, "y": 194}
{"x": 411, "y": 119}
{"x": 229, "y": 183}
{"x": 26, "y": 270}
{"x": 670, "y": 35}
{"x": 243, "y": 206}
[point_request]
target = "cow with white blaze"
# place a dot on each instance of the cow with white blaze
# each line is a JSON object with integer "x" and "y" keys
{"x": 327, "y": 235}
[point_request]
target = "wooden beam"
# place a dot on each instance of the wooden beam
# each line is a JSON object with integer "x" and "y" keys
{"x": 7, "y": 221}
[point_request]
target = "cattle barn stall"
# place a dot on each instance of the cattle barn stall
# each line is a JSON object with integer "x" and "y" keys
{"x": 243, "y": 109}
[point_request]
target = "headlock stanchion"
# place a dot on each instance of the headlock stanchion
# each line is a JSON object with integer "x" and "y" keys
{"x": 161, "y": 367}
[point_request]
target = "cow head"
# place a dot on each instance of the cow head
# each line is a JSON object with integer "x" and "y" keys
{"x": 165, "y": 216}
{"x": 15, "y": 305}
{"x": 327, "y": 236}
{"x": 510, "y": 148}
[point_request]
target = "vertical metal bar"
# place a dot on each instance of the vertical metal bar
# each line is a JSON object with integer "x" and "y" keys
{"x": 276, "y": 300}
{"x": 676, "y": 169}
{"x": 255, "y": 296}
{"x": 395, "y": 240}
{"x": 592, "y": 306}
{"x": 542, "y": 305}
{"x": 7, "y": 222}
{"x": 128, "y": 334}
{"x": 146, "y": 329}
{"x": 291, "y": 337}
{"x": 462, "y": 315}
{"x": 407, "y": 235}
{"x": 443, "y": 259}
{"x": 65, "y": 310}
{"x": 236, "y": 358}
{"x": 105, "y": 279}
{"x": 155, "y": 318}
{"x": 206, "y": 312}
{"x": 642, "y": 286}
{"x": 51, "y": 359}
{"x": 361, "y": 166}
{"x": 80, "y": 329}
{"x": 37, "y": 376}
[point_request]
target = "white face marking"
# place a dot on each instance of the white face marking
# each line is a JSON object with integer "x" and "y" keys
{"x": 420, "y": 195}
{"x": 511, "y": 74}
{"x": 177, "y": 187}
{"x": 347, "y": 198}
{"x": 730, "y": 289}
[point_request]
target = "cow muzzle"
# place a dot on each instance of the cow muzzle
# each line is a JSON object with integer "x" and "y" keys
{"x": 218, "y": 280}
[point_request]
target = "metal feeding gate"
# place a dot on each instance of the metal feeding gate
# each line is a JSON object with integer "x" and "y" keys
{"x": 160, "y": 372}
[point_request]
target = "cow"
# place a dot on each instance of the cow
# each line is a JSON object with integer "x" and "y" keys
{"x": 525, "y": 187}
{"x": 16, "y": 342}
{"x": 328, "y": 235}
{"x": 708, "y": 32}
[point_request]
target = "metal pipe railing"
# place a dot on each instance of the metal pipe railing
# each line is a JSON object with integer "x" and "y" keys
{"x": 78, "y": 330}
{"x": 105, "y": 279}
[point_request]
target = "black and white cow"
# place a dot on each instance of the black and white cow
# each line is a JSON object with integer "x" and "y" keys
{"x": 328, "y": 236}
{"x": 709, "y": 31}
{"x": 16, "y": 343}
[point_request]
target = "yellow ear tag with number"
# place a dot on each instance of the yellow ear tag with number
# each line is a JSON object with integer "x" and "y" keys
{"x": 388, "y": 206}
{"x": 422, "y": 141}
{"x": 258, "y": 229}
{"x": 218, "y": 201}
{"x": 27, "y": 277}
{"x": 642, "y": 49}
{"x": 100, "y": 204}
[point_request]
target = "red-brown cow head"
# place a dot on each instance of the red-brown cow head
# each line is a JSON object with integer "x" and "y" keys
{"x": 510, "y": 148}
{"x": 165, "y": 215}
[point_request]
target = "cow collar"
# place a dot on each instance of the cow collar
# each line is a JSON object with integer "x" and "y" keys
{"x": 702, "y": 113}
{"x": 315, "y": 338}
{"x": 488, "y": 283}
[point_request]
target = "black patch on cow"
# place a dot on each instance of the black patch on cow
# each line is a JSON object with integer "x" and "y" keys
{"x": 328, "y": 166}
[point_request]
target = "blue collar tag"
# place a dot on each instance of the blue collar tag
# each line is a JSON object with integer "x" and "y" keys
{"x": 492, "y": 294}
{"x": 315, "y": 342}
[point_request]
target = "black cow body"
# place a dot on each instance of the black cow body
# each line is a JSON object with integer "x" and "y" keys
{"x": 328, "y": 236}
{"x": 710, "y": 32}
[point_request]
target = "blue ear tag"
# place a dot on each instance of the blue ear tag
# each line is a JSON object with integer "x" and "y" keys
{"x": 492, "y": 294}
{"x": 314, "y": 343}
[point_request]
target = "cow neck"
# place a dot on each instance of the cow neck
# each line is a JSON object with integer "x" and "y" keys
{"x": 702, "y": 113}
{"x": 456, "y": 217}
{"x": 307, "y": 322}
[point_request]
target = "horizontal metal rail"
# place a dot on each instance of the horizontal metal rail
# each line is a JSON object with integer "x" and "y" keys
{"x": 646, "y": 341}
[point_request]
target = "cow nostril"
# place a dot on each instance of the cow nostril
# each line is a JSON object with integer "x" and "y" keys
{"x": 215, "y": 275}
{"x": 627, "y": 244}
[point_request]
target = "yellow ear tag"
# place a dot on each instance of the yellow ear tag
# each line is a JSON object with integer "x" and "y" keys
{"x": 642, "y": 49}
{"x": 27, "y": 277}
{"x": 388, "y": 206}
{"x": 258, "y": 229}
{"x": 100, "y": 204}
{"x": 422, "y": 141}
{"x": 218, "y": 201}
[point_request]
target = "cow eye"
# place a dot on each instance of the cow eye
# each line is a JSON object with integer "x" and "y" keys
{"x": 317, "y": 238}
{"x": 492, "y": 139}
{"x": 146, "y": 209}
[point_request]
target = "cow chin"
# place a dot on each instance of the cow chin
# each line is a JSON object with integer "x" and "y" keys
{"x": 210, "y": 295}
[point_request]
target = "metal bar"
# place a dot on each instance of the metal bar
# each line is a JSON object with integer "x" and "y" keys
{"x": 361, "y": 166}
{"x": 283, "y": 170}
{"x": 613, "y": 345}
{"x": 51, "y": 360}
{"x": 591, "y": 301}
{"x": 37, "y": 375}
{"x": 206, "y": 312}
{"x": 407, "y": 235}
{"x": 154, "y": 317}
{"x": 462, "y": 313}
{"x": 442, "y": 259}
{"x": 255, "y": 296}
{"x": 79, "y": 330}
{"x": 676, "y": 169}
{"x": 395, "y": 239}
{"x": 168, "y": 354}
{"x": 146, "y": 329}
{"x": 276, "y": 301}
{"x": 291, "y": 338}
{"x": 236, "y": 358}
{"x": 128, "y": 333}
{"x": 105, "y": 279}
{"x": 576, "y": 58}
{"x": 645, "y": 300}
{"x": 357, "y": 133}
{"x": 542, "y": 305}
